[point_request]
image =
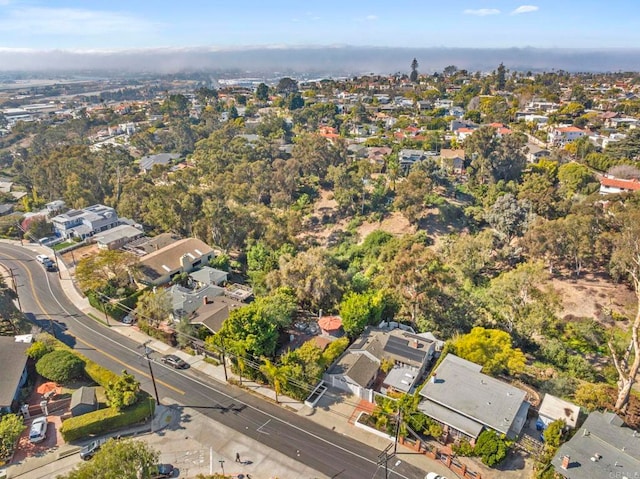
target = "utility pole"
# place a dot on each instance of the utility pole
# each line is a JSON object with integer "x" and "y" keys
{"x": 147, "y": 351}
{"x": 383, "y": 458}
{"x": 15, "y": 287}
{"x": 55, "y": 255}
{"x": 104, "y": 310}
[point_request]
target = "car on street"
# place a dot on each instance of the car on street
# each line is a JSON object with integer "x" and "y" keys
{"x": 42, "y": 258}
{"x": 174, "y": 361}
{"x": 434, "y": 475}
{"x": 49, "y": 265}
{"x": 162, "y": 471}
{"x": 88, "y": 451}
{"x": 38, "y": 430}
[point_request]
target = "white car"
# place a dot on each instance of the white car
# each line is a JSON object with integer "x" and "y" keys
{"x": 434, "y": 475}
{"x": 38, "y": 431}
{"x": 42, "y": 258}
{"x": 129, "y": 319}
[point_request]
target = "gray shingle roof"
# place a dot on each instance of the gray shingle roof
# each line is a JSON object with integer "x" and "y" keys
{"x": 615, "y": 450}
{"x": 13, "y": 360}
{"x": 462, "y": 388}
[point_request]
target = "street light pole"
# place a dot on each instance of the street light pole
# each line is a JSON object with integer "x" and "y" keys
{"x": 221, "y": 461}
{"x": 153, "y": 379}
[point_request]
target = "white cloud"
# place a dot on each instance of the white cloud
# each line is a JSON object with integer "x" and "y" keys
{"x": 71, "y": 21}
{"x": 524, "y": 9}
{"x": 371, "y": 18}
{"x": 482, "y": 12}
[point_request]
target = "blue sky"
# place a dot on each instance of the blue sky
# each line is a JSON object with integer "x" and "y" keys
{"x": 119, "y": 24}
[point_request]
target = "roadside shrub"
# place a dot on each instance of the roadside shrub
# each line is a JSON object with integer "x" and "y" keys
{"x": 38, "y": 349}
{"x": 98, "y": 374}
{"x": 106, "y": 420}
{"x": 60, "y": 366}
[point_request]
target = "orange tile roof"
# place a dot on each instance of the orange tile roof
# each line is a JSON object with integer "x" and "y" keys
{"x": 633, "y": 185}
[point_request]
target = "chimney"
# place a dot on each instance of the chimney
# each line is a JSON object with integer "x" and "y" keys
{"x": 566, "y": 460}
{"x": 414, "y": 344}
{"x": 434, "y": 378}
{"x": 205, "y": 300}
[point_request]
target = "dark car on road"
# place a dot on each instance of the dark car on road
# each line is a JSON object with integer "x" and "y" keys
{"x": 163, "y": 470}
{"x": 49, "y": 265}
{"x": 174, "y": 361}
{"x": 88, "y": 451}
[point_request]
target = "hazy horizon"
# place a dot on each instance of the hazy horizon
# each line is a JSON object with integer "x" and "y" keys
{"x": 347, "y": 60}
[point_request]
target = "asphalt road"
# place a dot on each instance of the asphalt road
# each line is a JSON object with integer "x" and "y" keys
{"x": 332, "y": 454}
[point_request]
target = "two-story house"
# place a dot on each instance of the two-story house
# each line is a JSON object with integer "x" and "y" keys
{"x": 86, "y": 222}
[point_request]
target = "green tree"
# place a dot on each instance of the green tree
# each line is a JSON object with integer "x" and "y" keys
{"x": 96, "y": 272}
{"x": 574, "y": 178}
{"x": 492, "y": 349}
{"x": 412, "y": 194}
{"x": 313, "y": 277}
{"x": 123, "y": 392}
{"x": 60, "y": 366}
{"x": 625, "y": 263}
{"x": 154, "y": 306}
{"x": 287, "y": 86}
{"x": 521, "y": 300}
{"x": 501, "y": 80}
{"x": 413, "y": 76}
{"x": 262, "y": 92}
{"x": 509, "y": 217}
{"x": 118, "y": 459}
{"x": 11, "y": 426}
{"x": 277, "y": 376}
{"x": 358, "y": 310}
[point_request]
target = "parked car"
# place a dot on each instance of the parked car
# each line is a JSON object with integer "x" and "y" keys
{"x": 38, "y": 431}
{"x": 42, "y": 258}
{"x": 88, "y": 451}
{"x": 162, "y": 471}
{"x": 129, "y": 319}
{"x": 174, "y": 361}
{"x": 434, "y": 475}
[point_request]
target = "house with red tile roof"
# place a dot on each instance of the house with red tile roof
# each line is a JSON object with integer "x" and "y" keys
{"x": 610, "y": 185}
{"x": 560, "y": 136}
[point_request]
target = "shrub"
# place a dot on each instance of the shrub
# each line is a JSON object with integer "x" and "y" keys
{"x": 11, "y": 426}
{"x": 99, "y": 374}
{"x": 106, "y": 420}
{"x": 38, "y": 349}
{"x": 491, "y": 448}
{"x": 60, "y": 366}
{"x": 123, "y": 392}
{"x": 463, "y": 449}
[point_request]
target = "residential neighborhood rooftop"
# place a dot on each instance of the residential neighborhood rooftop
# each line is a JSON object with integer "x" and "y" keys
{"x": 461, "y": 387}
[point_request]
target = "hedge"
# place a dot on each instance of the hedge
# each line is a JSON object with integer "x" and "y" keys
{"x": 107, "y": 420}
{"x": 97, "y": 373}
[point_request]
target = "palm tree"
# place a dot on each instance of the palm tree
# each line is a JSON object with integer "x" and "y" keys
{"x": 275, "y": 375}
{"x": 239, "y": 350}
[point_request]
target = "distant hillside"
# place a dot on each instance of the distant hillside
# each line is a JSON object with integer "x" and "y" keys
{"x": 337, "y": 60}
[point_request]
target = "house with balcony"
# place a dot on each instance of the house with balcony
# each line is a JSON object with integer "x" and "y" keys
{"x": 85, "y": 223}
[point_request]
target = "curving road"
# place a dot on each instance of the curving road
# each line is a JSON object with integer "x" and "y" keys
{"x": 332, "y": 454}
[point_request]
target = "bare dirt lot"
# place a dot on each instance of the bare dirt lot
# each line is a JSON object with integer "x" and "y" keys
{"x": 587, "y": 296}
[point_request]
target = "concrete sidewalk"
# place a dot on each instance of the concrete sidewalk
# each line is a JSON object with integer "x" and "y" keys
{"x": 333, "y": 413}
